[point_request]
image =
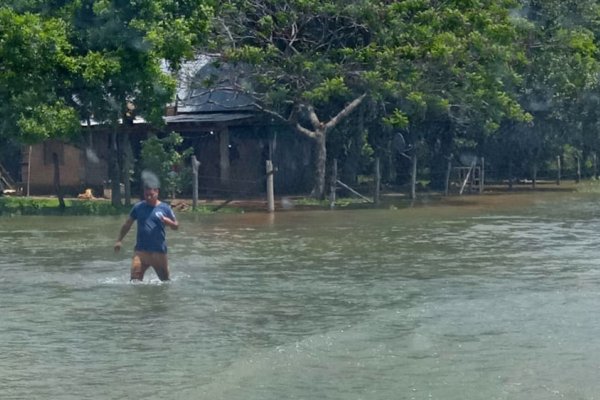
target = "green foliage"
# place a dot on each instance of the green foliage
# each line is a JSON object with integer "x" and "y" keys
{"x": 36, "y": 60}
{"x": 397, "y": 119}
{"x": 44, "y": 121}
{"x": 66, "y": 61}
{"x": 162, "y": 157}
{"x": 36, "y": 206}
{"x": 329, "y": 88}
{"x": 310, "y": 48}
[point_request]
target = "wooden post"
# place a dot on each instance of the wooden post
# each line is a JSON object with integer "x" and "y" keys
{"x": 595, "y": 162}
{"x": 114, "y": 169}
{"x": 333, "y": 184}
{"x": 448, "y": 172}
{"x": 195, "y": 166}
{"x": 270, "y": 189}
{"x": 376, "y": 197}
{"x": 482, "y": 176}
{"x": 534, "y": 178}
{"x": 510, "y": 175}
{"x": 413, "y": 186}
{"x": 558, "y": 167}
{"x": 224, "y": 156}
{"x": 578, "y": 170}
{"x": 29, "y": 170}
{"x": 127, "y": 166}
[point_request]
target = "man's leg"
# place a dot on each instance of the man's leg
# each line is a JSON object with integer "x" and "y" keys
{"x": 161, "y": 266}
{"x": 139, "y": 265}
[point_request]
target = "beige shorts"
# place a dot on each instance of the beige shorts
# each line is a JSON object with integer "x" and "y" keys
{"x": 142, "y": 260}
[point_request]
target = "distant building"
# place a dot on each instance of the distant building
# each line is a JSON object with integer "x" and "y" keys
{"x": 231, "y": 138}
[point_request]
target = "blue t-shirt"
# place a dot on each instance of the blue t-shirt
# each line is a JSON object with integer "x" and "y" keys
{"x": 151, "y": 229}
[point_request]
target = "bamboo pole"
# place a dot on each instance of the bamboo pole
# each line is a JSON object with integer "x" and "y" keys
{"x": 462, "y": 188}
{"x": 354, "y": 191}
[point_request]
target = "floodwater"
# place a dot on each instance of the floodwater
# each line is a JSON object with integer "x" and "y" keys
{"x": 492, "y": 300}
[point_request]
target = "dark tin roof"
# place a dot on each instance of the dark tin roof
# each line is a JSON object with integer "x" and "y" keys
{"x": 209, "y": 88}
{"x": 209, "y": 117}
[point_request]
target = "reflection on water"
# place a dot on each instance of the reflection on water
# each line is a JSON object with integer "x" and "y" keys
{"x": 463, "y": 301}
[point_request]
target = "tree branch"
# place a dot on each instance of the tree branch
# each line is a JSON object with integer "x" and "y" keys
{"x": 307, "y": 132}
{"x": 347, "y": 110}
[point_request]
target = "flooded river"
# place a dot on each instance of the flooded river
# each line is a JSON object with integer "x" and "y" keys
{"x": 457, "y": 301}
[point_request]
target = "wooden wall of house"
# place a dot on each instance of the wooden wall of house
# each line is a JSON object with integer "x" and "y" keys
{"x": 40, "y": 172}
{"x": 249, "y": 148}
{"x": 245, "y": 164}
{"x": 78, "y": 169}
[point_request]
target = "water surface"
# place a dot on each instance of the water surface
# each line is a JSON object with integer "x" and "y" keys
{"x": 475, "y": 300}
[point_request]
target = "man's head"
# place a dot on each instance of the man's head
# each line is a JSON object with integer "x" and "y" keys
{"x": 151, "y": 186}
{"x": 151, "y": 193}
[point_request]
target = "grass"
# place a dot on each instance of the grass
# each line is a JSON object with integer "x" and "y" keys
{"x": 50, "y": 206}
{"x": 589, "y": 186}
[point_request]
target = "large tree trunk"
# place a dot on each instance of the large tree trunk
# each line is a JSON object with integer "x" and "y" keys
{"x": 318, "y": 190}
{"x": 57, "y": 188}
{"x": 319, "y": 134}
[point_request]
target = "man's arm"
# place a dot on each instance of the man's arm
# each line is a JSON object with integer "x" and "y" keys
{"x": 172, "y": 223}
{"x": 124, "y": 229}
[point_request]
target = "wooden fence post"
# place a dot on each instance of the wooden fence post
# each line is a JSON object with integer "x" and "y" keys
{"x": 413, "y": 186}
{"x": 29, "y": 170}
{"x": 195, "y": 166}
{"x": 482, "y": 176}
{"x": 448, "y": 172}
{"x": 558, "y": 167}
{"x": 270, "y": 189}
{"x": 333, "y": 184}
{"x": 376, "y": 197}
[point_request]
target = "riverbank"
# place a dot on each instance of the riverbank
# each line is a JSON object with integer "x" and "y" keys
{"x": 493, "y": 195}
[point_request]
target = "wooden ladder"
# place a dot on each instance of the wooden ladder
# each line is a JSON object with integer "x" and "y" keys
{"x": 6, "y": 179}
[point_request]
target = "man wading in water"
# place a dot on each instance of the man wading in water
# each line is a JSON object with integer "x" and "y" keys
{"x": 151, "y": 247}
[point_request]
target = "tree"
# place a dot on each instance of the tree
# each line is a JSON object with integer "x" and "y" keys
{"x": 560, "y": 78}
{"x": 36, "y": 60}
{"x": 117, "y": 51}
{"x": 304, "y": 59}
{"x": 449, "y": 70}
